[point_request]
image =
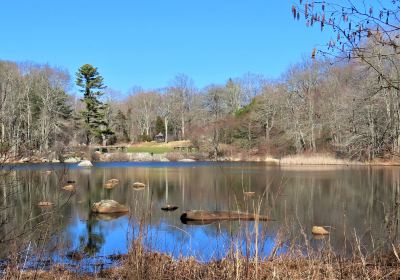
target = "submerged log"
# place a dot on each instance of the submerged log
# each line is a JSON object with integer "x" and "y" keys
{"x": 210, "y": 216}
{"x": 197, "y": 223}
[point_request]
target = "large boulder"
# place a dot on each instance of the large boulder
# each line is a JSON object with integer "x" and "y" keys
{"x": 108, "y": 206}
{"x": 85, "y": 163}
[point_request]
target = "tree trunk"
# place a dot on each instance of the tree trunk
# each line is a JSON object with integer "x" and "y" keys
{"x": 166, "y": 129}
{"x": 183, "y": 127}
{"x": 104, "y": 139}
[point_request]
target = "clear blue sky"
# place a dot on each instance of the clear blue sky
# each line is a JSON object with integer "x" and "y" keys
{"x": 148, "y": 42}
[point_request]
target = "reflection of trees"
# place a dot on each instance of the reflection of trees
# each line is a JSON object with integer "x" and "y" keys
{"x": 23, "y": 221}
{"x": 95, "y": 240}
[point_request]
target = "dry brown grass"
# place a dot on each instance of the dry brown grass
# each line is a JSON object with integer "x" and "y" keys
{"x": 315, "y": 159}
{"x": 142, "y": 264}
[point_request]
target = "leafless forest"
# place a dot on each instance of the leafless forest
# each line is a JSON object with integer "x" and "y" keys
{"x": 317, "y": 106}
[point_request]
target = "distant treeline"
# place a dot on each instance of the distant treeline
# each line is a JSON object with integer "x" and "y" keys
{"x": 316, "y": 106}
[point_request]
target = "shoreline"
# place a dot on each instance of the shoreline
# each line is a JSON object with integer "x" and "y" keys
{"x": 290, "y": 160}
{"x": 267, "y": 162}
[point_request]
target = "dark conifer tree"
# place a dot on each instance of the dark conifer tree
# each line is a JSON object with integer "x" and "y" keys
{"x": 91, "y": 84}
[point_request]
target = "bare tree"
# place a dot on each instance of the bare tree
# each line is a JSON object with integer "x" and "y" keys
{"x": 183, "y": 89}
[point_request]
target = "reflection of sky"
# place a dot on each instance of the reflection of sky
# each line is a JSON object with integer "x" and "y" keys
{"x": 205, "y": 242}
{"x": 115, "y": 235}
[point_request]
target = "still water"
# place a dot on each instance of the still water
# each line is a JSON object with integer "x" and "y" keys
{"x": 352, "y": 201}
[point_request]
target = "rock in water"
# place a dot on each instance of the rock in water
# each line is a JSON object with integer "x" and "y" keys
{"x": 138, "y": 186}
{"x": 85, "y": 163}
{"x": 113, "y": 181}
{"x": 249, "y": 194}
{"x": 69, "y": 188}
{"x": 108, "y": 206}
{"x": 45, "y": 204}
{"x": 317, "y": 230}
{"x": 109, "y": 185}
{"x": 169, "y": 207}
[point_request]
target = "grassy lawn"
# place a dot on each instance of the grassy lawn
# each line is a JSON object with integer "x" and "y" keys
{"x": 150, "y": 149}
{"x": 157, "y": 148}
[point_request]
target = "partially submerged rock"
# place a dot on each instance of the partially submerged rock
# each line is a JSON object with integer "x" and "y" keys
{"x": 69, "y": 188}
{"x": 108, "y": 206}
{"x": 113, "y": 181}
{"x": 45, "y": 204}
{"x": 138, "y": 186}
{"x": 169, "y": 207}
{"x": 109, "y": 185}
{"x": 249, "y": 194}
{"x": 211, "y": 216}
{"x": 318, "y": 230}
{"x": 85, "y": 163}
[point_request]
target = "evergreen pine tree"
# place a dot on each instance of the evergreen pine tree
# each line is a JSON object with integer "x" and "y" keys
{"x": 91, "y": 84}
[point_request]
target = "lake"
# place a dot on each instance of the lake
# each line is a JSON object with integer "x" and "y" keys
{"x": 351, "y": 201}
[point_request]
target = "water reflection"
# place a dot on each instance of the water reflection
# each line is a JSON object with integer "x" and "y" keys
{"x": 348, "y": 199}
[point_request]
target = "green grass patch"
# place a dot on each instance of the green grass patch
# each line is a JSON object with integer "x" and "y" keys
{"x": 154, "y": 150}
